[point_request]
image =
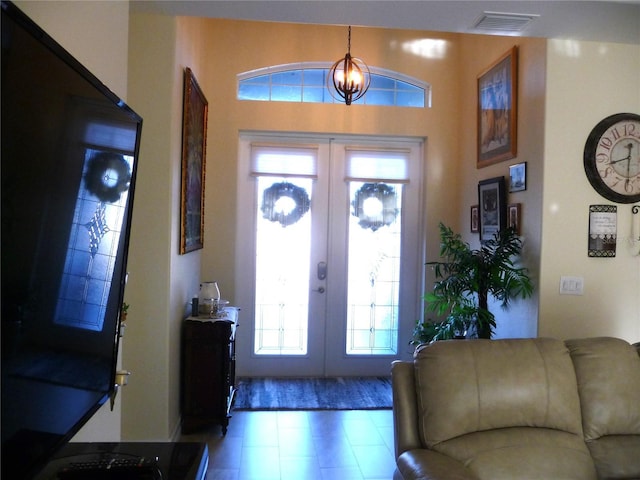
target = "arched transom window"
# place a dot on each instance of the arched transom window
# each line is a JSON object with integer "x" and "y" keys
{"x": 306, "y": 82}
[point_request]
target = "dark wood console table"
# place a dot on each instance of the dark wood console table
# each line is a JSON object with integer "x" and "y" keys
{"x": 208, "y": 371}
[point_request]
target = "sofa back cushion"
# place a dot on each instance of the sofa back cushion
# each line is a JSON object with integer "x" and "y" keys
{"x": 608, "y": 372}
{"x": 466, "y": 386}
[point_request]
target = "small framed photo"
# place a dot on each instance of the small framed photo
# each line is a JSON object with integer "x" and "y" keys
{"x": 518, "y": 177}
{"x": 513, "y": 217}
{"x": 475, "y": 219}
{"x": 493, "y": 208}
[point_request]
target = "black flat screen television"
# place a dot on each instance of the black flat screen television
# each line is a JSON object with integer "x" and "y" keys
{"x": 69, "y": 151}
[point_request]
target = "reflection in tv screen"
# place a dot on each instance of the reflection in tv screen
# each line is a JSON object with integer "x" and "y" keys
{"x": 69, "y": 154}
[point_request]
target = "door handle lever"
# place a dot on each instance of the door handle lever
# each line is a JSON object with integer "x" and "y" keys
{"x": 319, "y": 290}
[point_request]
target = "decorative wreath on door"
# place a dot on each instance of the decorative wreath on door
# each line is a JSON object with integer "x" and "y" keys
{"x": 274, "y": 212}
{"x": 108, "y": 175}
{"x": 383, "y": 214}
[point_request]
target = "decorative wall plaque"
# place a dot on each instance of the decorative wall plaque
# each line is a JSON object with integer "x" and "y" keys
{"x": 602, "y": 230}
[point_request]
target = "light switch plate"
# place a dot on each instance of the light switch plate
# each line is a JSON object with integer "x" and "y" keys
{"x": 571, "y": 285}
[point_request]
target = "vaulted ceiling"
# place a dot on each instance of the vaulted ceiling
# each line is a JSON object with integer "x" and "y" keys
{"x": 610, "y": 21}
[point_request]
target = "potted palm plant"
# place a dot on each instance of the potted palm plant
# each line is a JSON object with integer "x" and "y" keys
{"x": 464, "y": 280}
{"x": 124, "y": 311}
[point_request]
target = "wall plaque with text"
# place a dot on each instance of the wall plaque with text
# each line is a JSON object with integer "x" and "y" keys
{"x": 602, "y": 230}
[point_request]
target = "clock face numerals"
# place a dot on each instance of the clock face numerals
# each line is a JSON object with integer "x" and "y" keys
{"x": 618, "y": 157}
{"x": 612, "y": 158}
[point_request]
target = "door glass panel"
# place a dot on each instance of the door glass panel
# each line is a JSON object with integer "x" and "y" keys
{"x": 373, "y": 268}
{"x": 283, "y": 246}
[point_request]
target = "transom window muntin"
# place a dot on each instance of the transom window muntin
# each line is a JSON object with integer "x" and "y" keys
{"x": 306, "y": 83}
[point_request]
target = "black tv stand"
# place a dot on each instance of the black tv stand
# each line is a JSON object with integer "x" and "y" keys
{"x": 172, "y": 461}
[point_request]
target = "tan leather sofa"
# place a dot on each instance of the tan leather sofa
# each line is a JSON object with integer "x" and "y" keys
{"x": 518, "y": 409}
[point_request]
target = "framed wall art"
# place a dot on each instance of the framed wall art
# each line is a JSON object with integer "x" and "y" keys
{"x": 518, "y": 177}
{"x": 475, "y": 219}
{"x": 513, "y": 217}
{"x": 493, "y": 212}
{"x": 497, "y": 110}
{"x": 194, "y": 147}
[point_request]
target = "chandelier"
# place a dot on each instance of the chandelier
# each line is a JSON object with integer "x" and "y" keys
{"x": 349, "y": 78}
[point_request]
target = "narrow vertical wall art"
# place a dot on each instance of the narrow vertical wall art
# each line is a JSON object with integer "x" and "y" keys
{"x": 194, "y": 147}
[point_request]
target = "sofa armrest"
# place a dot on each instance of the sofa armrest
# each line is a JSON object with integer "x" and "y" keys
{"x": 423, "y": 464}
{"x": 405, "y": 408}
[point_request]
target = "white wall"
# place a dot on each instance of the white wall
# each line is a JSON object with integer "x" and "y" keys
{"x": 586, "y": 82}
{"x": 97, "y": 35}
{"x": 152, "y": 87}
{"x": 161, "y": 281}
{"x": 479, "y": 52}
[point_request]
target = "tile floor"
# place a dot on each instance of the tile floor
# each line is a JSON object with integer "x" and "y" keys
{"x": 302, "y": 445}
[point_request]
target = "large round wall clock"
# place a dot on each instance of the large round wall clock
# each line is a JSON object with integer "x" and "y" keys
{"x": 612, "y": 158}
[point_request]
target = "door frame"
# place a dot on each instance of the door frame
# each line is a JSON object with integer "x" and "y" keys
{"x": 251, "y": 365}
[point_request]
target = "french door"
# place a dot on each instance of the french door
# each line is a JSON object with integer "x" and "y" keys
{"x": 329, "y": 255}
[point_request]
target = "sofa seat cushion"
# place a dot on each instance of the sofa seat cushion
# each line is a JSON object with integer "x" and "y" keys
{"x": 522, "y": 453}
{"x": 616, "y": 457}
{"x": 467, "y": 386}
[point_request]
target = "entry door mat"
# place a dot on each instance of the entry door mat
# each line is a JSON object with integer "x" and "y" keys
{"x": 339, "y": 393}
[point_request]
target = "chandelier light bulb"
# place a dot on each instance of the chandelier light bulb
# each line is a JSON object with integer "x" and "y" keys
{"x": 355, "y": 79}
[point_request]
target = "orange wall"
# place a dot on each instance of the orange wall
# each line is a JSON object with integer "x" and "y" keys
{"x": 449, "y": 126}
{"x": 247, "y": 46}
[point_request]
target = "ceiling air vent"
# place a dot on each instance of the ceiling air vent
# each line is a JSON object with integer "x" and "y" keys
{"x": 504, "y": 22}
